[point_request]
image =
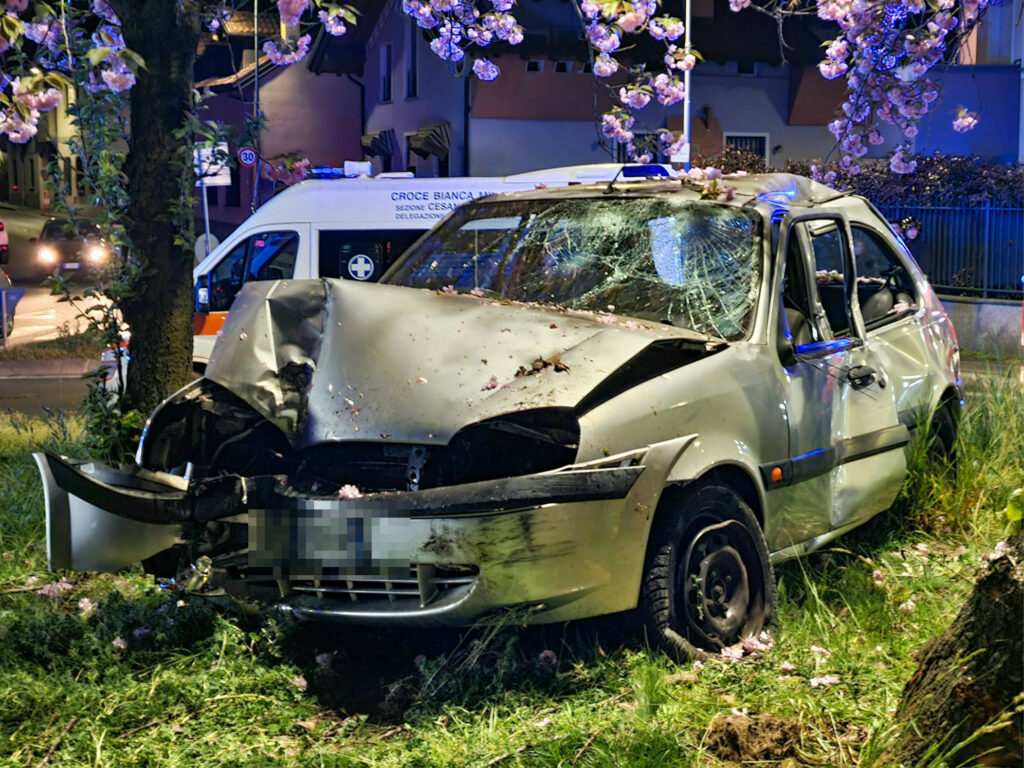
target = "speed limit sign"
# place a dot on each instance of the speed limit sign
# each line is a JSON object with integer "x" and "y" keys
{"x": 247, "y": 156}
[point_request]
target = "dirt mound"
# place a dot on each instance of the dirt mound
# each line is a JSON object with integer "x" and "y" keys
{"x": 742, "y": 739}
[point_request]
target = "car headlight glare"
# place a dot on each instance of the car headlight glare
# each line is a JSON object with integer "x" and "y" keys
{"x": 96, "y": 254}
{"x": 47, "y": 255}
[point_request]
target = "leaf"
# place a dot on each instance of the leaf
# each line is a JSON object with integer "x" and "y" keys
{"x": 97, "y": 55}
{"x": 1015, "y": 511}
{"x": 133, "y": 58}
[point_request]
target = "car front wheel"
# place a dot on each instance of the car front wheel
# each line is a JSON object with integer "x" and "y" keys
{"x": 708, "y": 583}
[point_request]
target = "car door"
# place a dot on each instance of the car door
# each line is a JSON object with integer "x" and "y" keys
{"x": 846, "y": 440}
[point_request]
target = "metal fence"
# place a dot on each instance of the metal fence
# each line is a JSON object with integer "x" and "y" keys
{"x": 968, "y": 250}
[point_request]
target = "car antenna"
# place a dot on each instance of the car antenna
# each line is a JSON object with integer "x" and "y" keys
{"x": 611, "y": 184}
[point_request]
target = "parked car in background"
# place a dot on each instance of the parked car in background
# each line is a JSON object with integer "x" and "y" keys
{"x": 77, "y": 246}
{"x": 570, "y": 401}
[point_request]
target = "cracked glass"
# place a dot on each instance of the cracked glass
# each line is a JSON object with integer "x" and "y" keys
{"x": 685, "y": 263}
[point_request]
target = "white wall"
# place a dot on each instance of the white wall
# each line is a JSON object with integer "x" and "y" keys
{"x": 439, "y": 98}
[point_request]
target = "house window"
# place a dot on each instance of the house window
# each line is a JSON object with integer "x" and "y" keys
{"x": 411, "y": 61}
{"x": 563, "y": 67}
{"x": 757, "y": 143}
{"x": 535, "y": 65}
{"x": 585, "y": 68}
{"x": 385, "y": 72}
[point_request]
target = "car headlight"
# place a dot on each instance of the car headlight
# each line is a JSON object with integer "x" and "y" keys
{"x": 47, "y": 255}
{"x": 96, "y": 254}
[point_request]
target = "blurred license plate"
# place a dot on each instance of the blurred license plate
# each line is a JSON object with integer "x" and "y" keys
{"x": 72, "y": 265}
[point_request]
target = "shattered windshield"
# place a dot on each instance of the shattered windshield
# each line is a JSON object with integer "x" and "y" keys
{"x": 690, "y": 264}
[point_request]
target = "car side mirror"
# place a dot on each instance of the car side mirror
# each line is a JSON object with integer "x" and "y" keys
{"x": 203, "y": 293}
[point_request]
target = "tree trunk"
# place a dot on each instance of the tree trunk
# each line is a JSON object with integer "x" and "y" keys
{"x": 160, "y": 180}
{"x": 970, "y": 676}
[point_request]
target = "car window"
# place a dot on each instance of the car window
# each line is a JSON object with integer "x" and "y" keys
{"x": 272, "y": 256}
{"x": 263, "y": 256}
{"x": 666, "y": 259}
{"x": 884, "y": 287}
{"x": 828, "y": 249}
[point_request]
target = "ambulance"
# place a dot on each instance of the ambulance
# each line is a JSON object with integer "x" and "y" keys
{"x": 351, "y": 228}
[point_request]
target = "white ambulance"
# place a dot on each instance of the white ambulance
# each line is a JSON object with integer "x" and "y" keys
{"x": 352, "y": 228}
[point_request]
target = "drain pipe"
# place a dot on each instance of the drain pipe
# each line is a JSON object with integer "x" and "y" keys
{"x": 362, "y": 106}
{"x": 465, "y": 126}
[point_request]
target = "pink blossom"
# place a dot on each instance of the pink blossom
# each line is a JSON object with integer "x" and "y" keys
{"x": 824, "y": 680}
{"x": 485, "y": 69}
{"x": 17, "y": 6}
{"x": 323, "y": 660}
{"x": 733, "y": 653}
{"x": 899, "y": 164}
{"x": 31, "y": 581}
{"x": 831, "y": 69}
{"x": 284, "y": 52}
{"x": 449, "y": 289}
{"x": 291, "y": 10}
{"x": 477, "y": 291}
{"x": 838, "y": 50}
{"x": 492, "y": 383}
{"x": 604, "y": 38}
{"x": 965, "y": 121}
{"x": 547, "y": 657}
{"x": 850, "y": 166}
{"x": 819, "y": 651}
{"x": 44, "y": 101}
{"x": 117, "y": 77}
{"x": 877, "y": 576}
{"x": 634, "y": 97}
{"x": 300, "y": 682}
{"x": 86, "y": 606}
{"x": 605, "y": 65}
{"x": 786, "y": 666}
{"x": 101, "y": 9}
{"x": 119, "y": 643}
{"x": 47, "y": 32}
{"x": 670, "y": 90}
{"x": 49, "y": 590}
{"x": 738, "y": 5}
{"x": 666, "y": 28}
{"x": 908, "y": 606}
{"x": 334, "y": 23}
{"x": 630, "y": 22}
{"x": 349, "y": 492}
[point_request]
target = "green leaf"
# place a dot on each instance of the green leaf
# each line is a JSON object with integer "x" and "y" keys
{"x": 97, "y": 55}
{"x": 133, "y": 58}
{"x": 1015, "y": 507}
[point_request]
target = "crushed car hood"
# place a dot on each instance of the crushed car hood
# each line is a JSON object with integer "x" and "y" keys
{"x": 336, "y": 360}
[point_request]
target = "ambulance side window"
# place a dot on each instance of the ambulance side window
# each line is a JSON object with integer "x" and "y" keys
{"x": 361, "y": 254}
{"x": 264, "y": 256}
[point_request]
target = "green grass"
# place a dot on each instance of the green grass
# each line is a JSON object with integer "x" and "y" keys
{"x": 87, "y": 344}
{"x": 197, "y": 684}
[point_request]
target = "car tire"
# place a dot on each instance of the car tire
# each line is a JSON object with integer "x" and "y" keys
{"x": 708, "y": 583}
{"x": 942, "y": 438}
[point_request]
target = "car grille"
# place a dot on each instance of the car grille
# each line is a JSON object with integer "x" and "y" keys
{"x": 424, "y": 583}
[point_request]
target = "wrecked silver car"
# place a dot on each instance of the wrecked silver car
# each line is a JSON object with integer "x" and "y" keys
{"x": 578, "y": 401}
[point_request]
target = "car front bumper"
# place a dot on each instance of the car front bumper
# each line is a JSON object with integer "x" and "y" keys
{"x": 563, "y": 544}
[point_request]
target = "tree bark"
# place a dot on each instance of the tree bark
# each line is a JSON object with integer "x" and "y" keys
{"x": 160, "y": 178}
{"x": 970, "y": 676}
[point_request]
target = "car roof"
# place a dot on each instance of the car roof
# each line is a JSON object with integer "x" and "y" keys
{"x": 773, "y": 189}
